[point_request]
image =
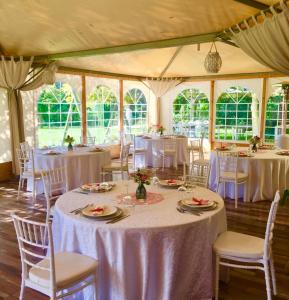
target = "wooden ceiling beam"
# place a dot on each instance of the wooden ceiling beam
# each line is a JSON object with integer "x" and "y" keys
{"x": 254, "y": 4}
{"x": 175, "y": 42}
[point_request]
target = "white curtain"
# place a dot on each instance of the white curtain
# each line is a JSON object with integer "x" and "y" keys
{"x": 267, "y": 42}
{"x": 16, "y": 75}
{"x": 160, "y": 87}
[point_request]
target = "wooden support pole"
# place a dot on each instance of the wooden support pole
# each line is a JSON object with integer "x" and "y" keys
{"x": 212, "y": 113}
{"x": 121, "y": 113}
{"x": 263, "y": 108}
{"x": 83, "y": 110}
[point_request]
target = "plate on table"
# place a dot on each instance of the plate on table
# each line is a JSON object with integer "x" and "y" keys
{"x": 244, "y": 154}
{"x": 267, "y": 147}
{"x": 97, "y": 187}
{"x": 100, "y": 211}
{"x": 52, "y": 152}
{"x": 96, "y": 150}
{"x": 284, "y": 153}
{"x": 171, "y": 183}
{"x": 189, "y": 207}
{"x": 222, "y": 149}
{"x": 80, "y": 145}
{"x": 203, "y": 203}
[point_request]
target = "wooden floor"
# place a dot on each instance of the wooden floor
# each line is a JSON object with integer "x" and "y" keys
{"x": 249, "y": 218}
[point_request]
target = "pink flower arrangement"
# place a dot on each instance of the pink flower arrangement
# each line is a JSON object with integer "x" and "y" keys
{"x": 141, "y": 176}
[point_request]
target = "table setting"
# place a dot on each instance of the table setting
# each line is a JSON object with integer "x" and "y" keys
{"x": 123, "y": 231}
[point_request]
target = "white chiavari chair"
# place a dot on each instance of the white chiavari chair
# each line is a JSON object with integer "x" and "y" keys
{"x": 55, "y": 184}
{"x": 201, "y": 176}
{"x": 121, "y": 166}
{"x": 25, "y": 147}
{"x": 167, "y": 150}
{"x": 90, "y": 140}
{"x": 27, "y": 170}
{"x": 228, "y": 172}
{"x": 199, "y": 162}
{"x": 56, "y": 275}
{"x": 248, "y": 252}
{"x": 139, "y": 149}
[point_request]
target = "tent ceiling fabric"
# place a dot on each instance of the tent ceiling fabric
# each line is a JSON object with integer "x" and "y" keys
{"x": 150, "y": 63}
{"x": 41, "y": 27}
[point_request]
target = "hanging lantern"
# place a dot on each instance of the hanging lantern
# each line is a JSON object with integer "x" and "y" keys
{"x": 213, "y": 61}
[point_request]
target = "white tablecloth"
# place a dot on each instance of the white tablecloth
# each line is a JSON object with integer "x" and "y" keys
{"x": 155, "y": 254}
{"x": 82, "y": 166}
{"x": 182, "y": 152}
{"x": 268, "y": 172}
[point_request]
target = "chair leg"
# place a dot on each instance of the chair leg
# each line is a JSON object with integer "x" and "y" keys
{"x": 95, "y": 287}
{"x": 217, "y": 277}
{"x": 21, "y": 296}
{"x": 267, "y": 279}
{"x": 19, "y": 187}
{"x": 163, "y": 163}
{"x": 236, "y": 195}
{"x": 34, "y": 192}
{"x": 273, "y": 278}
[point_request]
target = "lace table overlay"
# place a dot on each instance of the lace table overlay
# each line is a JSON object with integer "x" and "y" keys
{"x": 152, "y": 198}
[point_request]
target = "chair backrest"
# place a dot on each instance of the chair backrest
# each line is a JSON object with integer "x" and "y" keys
{"x": 169, "y": 144}
{"x": 227, "y": 161}
{"x": 26, "y": 161}
{"x": 34, "y": 240}
{"x": 90, "y": 140}
{"x": 124, "y": 153}
{"x": 139, "y": 142}
{"x": 55, "y": 184}
{"x": 200, "y": 176}
{"x": 24, "y": 147}
{"x": 270, "y": 225}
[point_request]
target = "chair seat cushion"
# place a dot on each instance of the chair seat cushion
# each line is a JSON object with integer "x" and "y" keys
{"x": 69, "y": 268}
{"x": 30, "y": 174}
{"x": 201, "y": 162}
{"x": 114, "y": 166}
{"x": 139, "y": 150}
{"x": 241, "y": 245}
{"x": 168, "y": 152}
{"x": 231, "y": 176}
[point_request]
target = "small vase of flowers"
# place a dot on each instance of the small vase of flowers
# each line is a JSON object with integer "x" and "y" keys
{"x": 141, "y": 177}
{"x": 254, "y": 141}
{"x": 69, "y": 139}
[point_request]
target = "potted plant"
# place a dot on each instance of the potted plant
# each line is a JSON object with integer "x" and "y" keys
{"x": 69, "y": 139}
{"x": 141, "y": 177}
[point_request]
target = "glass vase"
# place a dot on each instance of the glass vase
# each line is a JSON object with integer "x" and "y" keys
{"x": 141, "y": 192}
{"x": 254, "y": 147}
{"x": 69, "y": 147}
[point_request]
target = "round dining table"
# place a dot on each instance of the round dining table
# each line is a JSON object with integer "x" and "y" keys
{"x": 156, "y": 142}
{"x": 83, "y": 164}
{"x": 268, "y": 172}
{"x": 155, "y": 253}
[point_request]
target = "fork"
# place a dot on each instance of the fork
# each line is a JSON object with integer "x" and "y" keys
{"x": 183, "y": 211}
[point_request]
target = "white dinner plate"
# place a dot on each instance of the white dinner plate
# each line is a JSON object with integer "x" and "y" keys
{"x": 108, "y": 211}
{"x": 165, "y": 183}
{"x": 97, "y": 187}
{"x": 188, "y": 202}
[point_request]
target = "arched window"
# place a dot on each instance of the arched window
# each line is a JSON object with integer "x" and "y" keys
{"x": 102, "y": 114}
{"x": 191, "y": 113}
{"x": 58, "y": 114}
{"x": 135, "y": 111}
{"x": 237, "y": 115}
{"x": 274, "y": 110}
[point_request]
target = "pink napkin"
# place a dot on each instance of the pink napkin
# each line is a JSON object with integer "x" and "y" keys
{"x": 199, "y": 201}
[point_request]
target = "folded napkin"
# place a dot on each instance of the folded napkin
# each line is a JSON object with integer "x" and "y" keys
{"x": 171, "y": 181}
{"x": 98, "y": 210}
{"x": 199, "y": 201}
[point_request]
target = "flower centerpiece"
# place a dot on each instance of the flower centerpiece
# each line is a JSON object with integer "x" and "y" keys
{"x": 254, "y": 140}
{"x": 141, "y": 177}
{"x": 69, "y": 139}
{"x": 157, "y": 129}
